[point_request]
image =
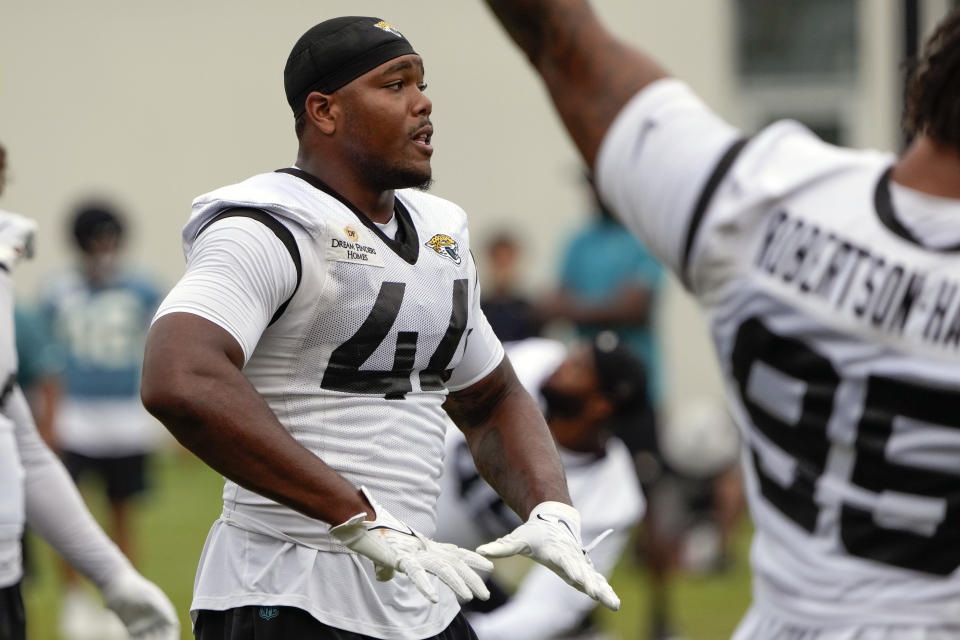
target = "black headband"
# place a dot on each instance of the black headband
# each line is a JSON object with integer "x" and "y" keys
{"x": 337, "y": 51}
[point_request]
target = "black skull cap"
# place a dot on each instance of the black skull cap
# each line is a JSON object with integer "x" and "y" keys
{"x": 337, "y": 51}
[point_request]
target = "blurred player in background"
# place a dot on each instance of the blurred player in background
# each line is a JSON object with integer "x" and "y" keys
{"x": 586, "y": 393}
{"x": 98, "y": 313}
{"x": 828, "y": 277}
{"x": 609, "y": 282}
{"x": 701, "y": 496}
{"x": 328, "y": 317}
{"x": 510, "y": 313}
{"x": 35, "y": 488}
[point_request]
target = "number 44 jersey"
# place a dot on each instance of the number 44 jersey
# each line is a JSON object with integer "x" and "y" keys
{"x": 358, "y": 360}
{"x": 832, "y": 297}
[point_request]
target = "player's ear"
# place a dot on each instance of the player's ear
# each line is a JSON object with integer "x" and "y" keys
{"x": 321, "y": 112}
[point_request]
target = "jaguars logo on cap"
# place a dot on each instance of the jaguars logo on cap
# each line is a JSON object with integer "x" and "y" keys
{"x": 445, "y": 246}
{"x": 389, "y": 28}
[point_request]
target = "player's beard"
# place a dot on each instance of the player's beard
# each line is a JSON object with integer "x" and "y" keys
{"x": 376, "y": 171}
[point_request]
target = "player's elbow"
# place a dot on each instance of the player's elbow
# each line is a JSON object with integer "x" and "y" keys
{"x": 168, "y": 394}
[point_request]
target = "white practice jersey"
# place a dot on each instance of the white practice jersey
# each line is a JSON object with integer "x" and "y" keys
{"x": 356, "y": 365}
{"x": 832, "y": 297}
{"x": 11, "y": 470}
{"x": 604, "y": 489}
{"x": 16, "y": 241}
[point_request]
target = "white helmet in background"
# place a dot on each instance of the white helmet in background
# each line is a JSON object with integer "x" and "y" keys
{"x": 698, "y": 438}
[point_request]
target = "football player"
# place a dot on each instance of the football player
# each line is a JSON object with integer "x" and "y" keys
{"x": 98, "y": 312}
{"x": 328, "y": 316}
{"x": 587, "y": 394}
{"x": 35, "y": 488}
{"x": 829, "y": 280}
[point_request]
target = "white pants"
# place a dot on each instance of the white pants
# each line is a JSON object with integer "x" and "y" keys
{"x": 759, "y": 625}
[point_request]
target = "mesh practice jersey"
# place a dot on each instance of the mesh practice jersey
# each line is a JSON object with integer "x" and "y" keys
{"x": 831, "y": 296}
{"x": 357, "y": 365}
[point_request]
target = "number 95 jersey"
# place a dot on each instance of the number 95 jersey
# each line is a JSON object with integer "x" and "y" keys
{"x": 832, "y": 297}
{"x": 357, "y": 359}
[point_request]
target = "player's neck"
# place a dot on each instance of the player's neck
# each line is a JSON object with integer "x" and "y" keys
{"x": 930, "y": 168}
{"x": 374, "y": 203}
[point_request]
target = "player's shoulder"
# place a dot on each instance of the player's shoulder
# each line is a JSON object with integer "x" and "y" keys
{"x": 284, "y": 195}
{"x": 62, "y": 283}
{"x": 787, "y": 154}
{"x": 432, "y": 207}
{"x": 10, "y": 218}
{"x": 260, "y": 186}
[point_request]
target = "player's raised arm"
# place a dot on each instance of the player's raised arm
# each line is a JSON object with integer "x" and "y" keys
{"x": 656, "y": 150}
{"x": 590, "y": 74}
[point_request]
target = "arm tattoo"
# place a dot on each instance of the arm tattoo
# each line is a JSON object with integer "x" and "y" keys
{"x": 510, "y": 443}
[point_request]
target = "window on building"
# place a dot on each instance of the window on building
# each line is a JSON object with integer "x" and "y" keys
{"x": 784, "y": 37}
{"x": 799, "y": 60}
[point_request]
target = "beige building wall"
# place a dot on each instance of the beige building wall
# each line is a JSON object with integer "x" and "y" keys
{"x": 155, "y": 103}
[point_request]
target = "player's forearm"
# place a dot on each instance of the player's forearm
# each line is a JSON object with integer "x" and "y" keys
{"x": 231, "y": 429}
{"x": 511, "y": 445}
{"x": 212, "y": 409}
{"x": 590, "y": 74}
{"x": 630, "y": 306}
{"x": 54, "y": 508}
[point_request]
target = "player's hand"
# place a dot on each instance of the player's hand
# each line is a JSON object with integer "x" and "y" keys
{"x": 394, "y": 546}
{"x": 551, "y": 536}
{"x": 143, "y": 608}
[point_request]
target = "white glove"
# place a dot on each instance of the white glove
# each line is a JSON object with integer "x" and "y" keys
{"x": 394, "y": 546}
{"x": 143, "y": 608}
{"x": 551, "y": 536}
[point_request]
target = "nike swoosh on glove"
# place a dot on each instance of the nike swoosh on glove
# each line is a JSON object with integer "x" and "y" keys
{"x": 551, "y": 536}
{"x": 394, "y": 546}
{"x": 143, "y": 608}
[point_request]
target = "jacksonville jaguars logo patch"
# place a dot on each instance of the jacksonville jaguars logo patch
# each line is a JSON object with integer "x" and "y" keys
{"x": 445, "y": 246}
{"x": 389, "y": 28}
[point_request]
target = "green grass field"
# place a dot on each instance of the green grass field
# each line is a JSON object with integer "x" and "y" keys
{"x": 174, "y": 519}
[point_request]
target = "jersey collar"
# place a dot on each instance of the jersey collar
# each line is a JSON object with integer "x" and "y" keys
{"x": 405, "y": 244}
{"x": 883, "y": 203}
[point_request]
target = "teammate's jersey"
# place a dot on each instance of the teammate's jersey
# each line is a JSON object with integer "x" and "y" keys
{"x": 100, "y": 332}
{"x": 16, "y": 234}
{"x": 831, "y": 295}
{"x": 11, "y": 469}
{"x": 356, "y": 368}
{"x": 603, "y": 488}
